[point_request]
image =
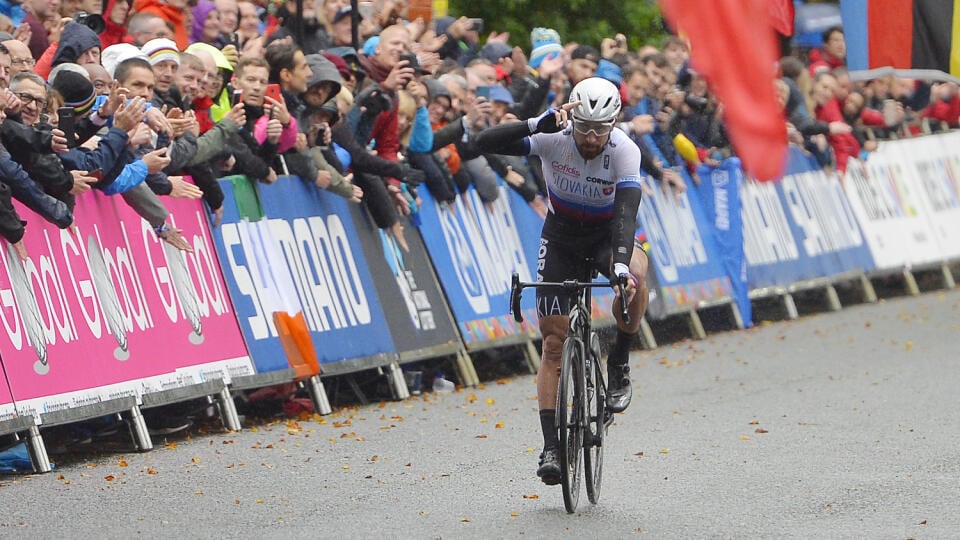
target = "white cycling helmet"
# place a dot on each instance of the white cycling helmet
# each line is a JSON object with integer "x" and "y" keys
{"x": 599, "y": 100}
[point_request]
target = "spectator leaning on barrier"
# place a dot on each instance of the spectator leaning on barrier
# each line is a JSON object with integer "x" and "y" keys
{"x": 828, "y": 110}
{"x": 255, "y": 146}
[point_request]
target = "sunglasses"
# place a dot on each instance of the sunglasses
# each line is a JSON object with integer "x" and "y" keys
{"x": 597, "y": 128}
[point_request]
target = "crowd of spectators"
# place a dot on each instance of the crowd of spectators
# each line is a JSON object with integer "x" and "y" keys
{"x": 159, "y": 98}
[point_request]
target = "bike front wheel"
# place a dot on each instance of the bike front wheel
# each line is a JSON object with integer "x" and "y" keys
{"x": 596, "y": 398}
{"x": 570, "y": 420}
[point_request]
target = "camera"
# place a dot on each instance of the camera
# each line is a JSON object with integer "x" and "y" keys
{"x": 374, "y": 101}
{"x": 476, "y": 24}
{"x": 91, "y": 20}
{"x": 697, "y": 103}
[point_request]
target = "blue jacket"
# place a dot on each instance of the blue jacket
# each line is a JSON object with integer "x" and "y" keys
{"x": 25, "y": 190}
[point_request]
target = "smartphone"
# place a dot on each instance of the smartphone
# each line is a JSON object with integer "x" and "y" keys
{"x": 484, "y": 92}
{"x": 476, "y": 24}
{"x": 68, "y": 125}
{"x": 237, "y": 97}
{"x": 273, "y": 91}
{"x": 98, "y": 174}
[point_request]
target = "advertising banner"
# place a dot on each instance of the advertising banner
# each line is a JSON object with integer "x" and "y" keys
{"x": 682, "y": 251}
{"x": 935, "y": 166}
{"x": 475, "y": 249}
{"x": 719, "y": 191}
{"x": 800, "y": 227}
{"x": 303, "y": 255}
{"x": 412, "y": 300}
{"x": 890, "y": 210}
{"x": 105, "y": 309}
{"x": 7, "y": 408}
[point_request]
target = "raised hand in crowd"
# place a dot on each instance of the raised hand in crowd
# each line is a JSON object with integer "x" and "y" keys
{"x": 399, "y": 76}
{"x": 432, "y": 42}
{"x": 54, "y": 31}
{"x": 274, "y": 130}
{"x": 499, "y": 37}
{"x": 611, "y": 47}
{"x": 23, "y": 33}
{"x": 157, "y": 120}
{"x": 128, "y": 115}
{"x": 82, "y": 182}
{"x": 551, "y": 65}
{"x": 237, "y": 114}
{"x": 9, "y": 101}
{"x": 271, "y": 177}
{"x": 156, "y": 160}
{"x": 672, "y": 181}
{"x": 278, "y": 110}
{"x": 479, "y": 112}
{"x": 182, "y": 123}
{"x": 642, "y": 124}
{"x": 139, "y": 135}
{"x": 115, "y": 98}
{"x": 58, "y": 141}
{"x": 183, "y": 189}
{"x": 21, "y": 250}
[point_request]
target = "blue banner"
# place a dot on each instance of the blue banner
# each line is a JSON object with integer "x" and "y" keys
{"x": 719, "y": 191}
{"x": 800, "y": 227}
{"x": 684, "y": 257}
{"x": 475, "y": 248}
{"x": 304, "y": 255}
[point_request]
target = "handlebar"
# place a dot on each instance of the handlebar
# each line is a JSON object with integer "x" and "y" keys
{"x": 517, "y": 286}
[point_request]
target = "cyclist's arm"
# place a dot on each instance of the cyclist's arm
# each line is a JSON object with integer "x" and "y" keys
{"x": 626, "y": 203}
{"x": 507, "y": 139}
{"x": 513, "y": 139}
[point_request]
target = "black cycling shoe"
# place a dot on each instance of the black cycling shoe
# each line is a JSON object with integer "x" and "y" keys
{"x": 619, "y": 391}
{"x": 549, "y": 470}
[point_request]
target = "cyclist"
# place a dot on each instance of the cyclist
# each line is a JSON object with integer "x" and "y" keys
{"x": 592, "y": 171}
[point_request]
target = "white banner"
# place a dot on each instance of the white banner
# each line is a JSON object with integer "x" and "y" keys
{"x": 905, "y": 197}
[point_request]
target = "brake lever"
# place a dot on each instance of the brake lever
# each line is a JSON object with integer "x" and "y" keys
{"x": 624, "y": 305}
{"x": 515, "y": 293}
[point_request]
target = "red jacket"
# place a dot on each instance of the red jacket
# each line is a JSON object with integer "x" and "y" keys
{"x": 170, "y": 14}
{"x": 113, "y": 33}
{"x": 820, "y": 59}
{"x": 945, "y": 111}
{"x": 845, "y": 146}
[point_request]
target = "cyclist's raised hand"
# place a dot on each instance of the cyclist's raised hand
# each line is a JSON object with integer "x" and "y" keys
{"x": 552, "y": 120}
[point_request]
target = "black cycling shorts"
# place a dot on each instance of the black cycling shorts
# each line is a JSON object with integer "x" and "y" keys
{"x": 564, "y": 248}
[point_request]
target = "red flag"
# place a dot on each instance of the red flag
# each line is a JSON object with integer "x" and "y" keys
{"x": 782, "y": 15}
{"x": 733, "y": 45}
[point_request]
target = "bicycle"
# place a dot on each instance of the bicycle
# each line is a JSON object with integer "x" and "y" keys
{"x": 582, "y": 416}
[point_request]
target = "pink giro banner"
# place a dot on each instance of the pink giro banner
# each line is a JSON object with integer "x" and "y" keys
{"x": 105, "y": 309}
{"x": 7, "y": 409}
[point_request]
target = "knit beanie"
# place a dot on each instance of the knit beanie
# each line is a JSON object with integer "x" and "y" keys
{"x": 77, "y": 91}
{"x": 161, "y": 49}
{"x": 546, "y": 42}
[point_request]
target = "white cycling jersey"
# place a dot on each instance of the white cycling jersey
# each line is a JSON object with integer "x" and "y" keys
{"x": 584, "y": 189}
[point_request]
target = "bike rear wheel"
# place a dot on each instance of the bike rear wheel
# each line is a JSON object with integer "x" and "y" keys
{"x": 570, "y": 421}
{"x": 596, "y": 397}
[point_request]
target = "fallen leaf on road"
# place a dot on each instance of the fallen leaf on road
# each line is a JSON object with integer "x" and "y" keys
{"x": 498, "y": 425}
{"x": 744, "y": 437}
{"x": 109, "y": 478}
{"x": 531, "y": 496}
{"x": 122, "y": 463}
{"x": 760, "y": 430}
{"x": 481, "y": 436}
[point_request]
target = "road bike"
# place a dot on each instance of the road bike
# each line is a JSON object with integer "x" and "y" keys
{"x": 582, "y": 416}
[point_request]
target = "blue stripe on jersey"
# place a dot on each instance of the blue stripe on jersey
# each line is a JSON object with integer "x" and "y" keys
{"x": 581, "y": 211}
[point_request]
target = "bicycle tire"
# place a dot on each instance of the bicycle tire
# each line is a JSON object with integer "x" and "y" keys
{"x": 570, "y": 408}
{"x": 596, "y": 397}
